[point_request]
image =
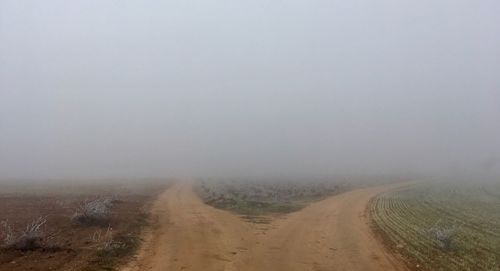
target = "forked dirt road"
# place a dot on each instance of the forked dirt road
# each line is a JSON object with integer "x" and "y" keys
{"x": 332, "y": 234}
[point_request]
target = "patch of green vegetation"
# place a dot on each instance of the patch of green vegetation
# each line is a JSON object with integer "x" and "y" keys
{"x": 255, "y": 208}
{"x": 260, "y": 198}
{"x": 442, "y": 226}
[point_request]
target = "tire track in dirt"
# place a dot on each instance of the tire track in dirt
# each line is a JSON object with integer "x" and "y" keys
{"x": 332, "y": 234}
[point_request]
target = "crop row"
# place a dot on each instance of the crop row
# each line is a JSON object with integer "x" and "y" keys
{"x": 442, "y": 227}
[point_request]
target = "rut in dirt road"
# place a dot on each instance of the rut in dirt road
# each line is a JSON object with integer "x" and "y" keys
{"x": 332, "y": 234}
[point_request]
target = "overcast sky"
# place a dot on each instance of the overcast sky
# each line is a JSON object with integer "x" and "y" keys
{"x": 94, "y": 89}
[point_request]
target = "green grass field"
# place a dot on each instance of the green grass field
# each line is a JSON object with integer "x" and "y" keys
{"x": 409, "y": 219}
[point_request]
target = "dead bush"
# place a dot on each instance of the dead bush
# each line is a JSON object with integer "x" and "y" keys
{"x": 93, "y": 212}
{"x": 7, "y": 234}
{"x": 103, "y": 240}
{"x": 32, "y": 237}
{"x": 444, "y": 235}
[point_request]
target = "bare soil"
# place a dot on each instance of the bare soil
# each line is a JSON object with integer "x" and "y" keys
{"x": 71, "y": 246}
{"x": 332, "y": 234}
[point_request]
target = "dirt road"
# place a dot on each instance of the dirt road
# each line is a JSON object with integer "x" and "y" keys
{"x": 332, "y": 234}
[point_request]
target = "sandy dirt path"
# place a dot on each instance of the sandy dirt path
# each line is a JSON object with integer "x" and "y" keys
{"x": 190, "y": 235}
{"x": 332, "y": 234}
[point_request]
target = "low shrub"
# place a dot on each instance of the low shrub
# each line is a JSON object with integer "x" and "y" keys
{"x": 33, "y": 237}
{"x": 93, "y": 212}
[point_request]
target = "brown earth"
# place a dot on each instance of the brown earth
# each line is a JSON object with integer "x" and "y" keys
{"x": 69, "y": 246}
{"x": 332, "y": 234}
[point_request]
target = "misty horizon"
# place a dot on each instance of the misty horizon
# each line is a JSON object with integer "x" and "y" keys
{"x": 93, "y": 89}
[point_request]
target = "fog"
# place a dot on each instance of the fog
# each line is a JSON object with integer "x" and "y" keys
{"x": 126, "y": 89}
